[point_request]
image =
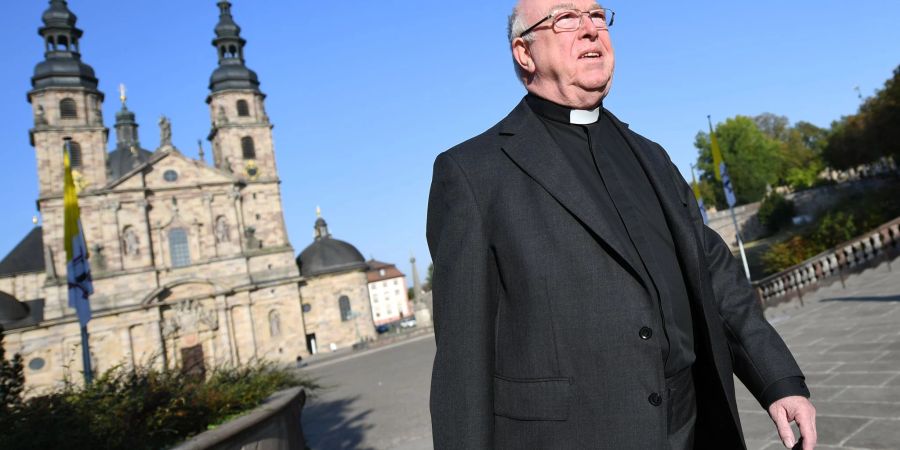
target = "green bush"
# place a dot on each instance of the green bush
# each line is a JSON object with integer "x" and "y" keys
{"x": 775, "y": 212}
{"x": 145, "y": 408}
{"x": 849, "y": 218}
{"x": 12, "y": 381}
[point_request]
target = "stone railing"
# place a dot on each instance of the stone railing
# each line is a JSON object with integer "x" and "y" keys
{"x": 274, "y": 425}
{"x": 855, "y": 255}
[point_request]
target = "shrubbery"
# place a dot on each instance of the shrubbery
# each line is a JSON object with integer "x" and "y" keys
{"x": 142, "y": 409}
{"x": 775, "y": 212}
{"x": 850, "y": 218}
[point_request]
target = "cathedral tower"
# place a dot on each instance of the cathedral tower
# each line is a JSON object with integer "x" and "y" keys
{"x": 67, "y": 106}
{"x": 241, "y": 136}
{"x": 241, "y": 133}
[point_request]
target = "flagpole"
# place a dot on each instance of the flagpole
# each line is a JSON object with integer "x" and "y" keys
{"x": 722, "y": 174}
{"x": 86, "y": 356}
{"x": 737, "y": 234}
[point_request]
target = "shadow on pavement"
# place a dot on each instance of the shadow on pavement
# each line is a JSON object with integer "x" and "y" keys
{"x": 888, "y": 298}
{"x": 328, "y": 425}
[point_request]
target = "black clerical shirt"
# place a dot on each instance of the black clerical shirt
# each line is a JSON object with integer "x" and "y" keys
{"x": 606, "y": 165}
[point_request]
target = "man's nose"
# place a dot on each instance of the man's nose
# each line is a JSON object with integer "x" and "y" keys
{"x": 588, "y": 29}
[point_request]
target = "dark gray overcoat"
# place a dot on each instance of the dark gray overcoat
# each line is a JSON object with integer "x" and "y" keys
{"x": 537, "y": 312}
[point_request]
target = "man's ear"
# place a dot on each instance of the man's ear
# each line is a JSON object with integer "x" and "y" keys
{"x": 522, "y": 55}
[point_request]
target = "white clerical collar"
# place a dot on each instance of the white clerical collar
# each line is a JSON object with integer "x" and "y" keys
{"x": 584, "y": 117}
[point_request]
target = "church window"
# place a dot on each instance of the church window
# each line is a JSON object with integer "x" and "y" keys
{"x": 75, "y": 159}
{"x": 248, "y": 148}
{"x": 274, "y": 323}
{"x": 178, "y": 246}
{"x": 344, "y": 305}
{"x": 68, "y": 109}
{"x": 243, "y": 108}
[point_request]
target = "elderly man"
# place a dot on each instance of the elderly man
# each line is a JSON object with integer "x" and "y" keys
{"x": 579, "y": 301}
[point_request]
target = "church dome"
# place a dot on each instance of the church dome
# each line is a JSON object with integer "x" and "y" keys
{"x": 328, "y": 255}
{"x": 233, "y": 76}
{"x": 11, "y": 310}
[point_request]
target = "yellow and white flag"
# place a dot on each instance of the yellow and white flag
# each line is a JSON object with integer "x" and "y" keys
{"x": 78, "y": 271}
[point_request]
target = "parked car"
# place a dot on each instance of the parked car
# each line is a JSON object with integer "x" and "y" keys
{"x": 381, "y": 329}
{"x": 408, "y": 323}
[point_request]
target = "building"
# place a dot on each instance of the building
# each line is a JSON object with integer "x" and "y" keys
{"x": 191, "y": 262}
{"x": 387, "y": 292}
{"x": 336, "y": 311}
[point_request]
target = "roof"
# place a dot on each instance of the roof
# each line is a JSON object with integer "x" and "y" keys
{"x": 20, "y": 314}
{"x": 374, "y": 273}
{"x": 11, "y": 310}
{"x": 327, "y": 255}
{"x": 121, "y": 161}
{"x": 27, "y": 256}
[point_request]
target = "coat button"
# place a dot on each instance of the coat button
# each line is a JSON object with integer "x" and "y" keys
{"x": 645, "y": 333}
{"x": 655, "y": 399}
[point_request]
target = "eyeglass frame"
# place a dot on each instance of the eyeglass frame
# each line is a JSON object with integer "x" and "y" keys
{"x": 612, "y": 18}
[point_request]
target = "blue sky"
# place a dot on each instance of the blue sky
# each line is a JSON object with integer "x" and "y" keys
{"x": 364, "y": 95}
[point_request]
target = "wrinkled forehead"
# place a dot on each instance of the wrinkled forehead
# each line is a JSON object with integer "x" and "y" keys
{"x": 535, "y": 9}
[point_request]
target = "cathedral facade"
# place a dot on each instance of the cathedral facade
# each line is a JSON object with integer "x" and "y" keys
{"x": 191, "y": 262}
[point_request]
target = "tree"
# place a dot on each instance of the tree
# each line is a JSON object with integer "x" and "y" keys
{"x": 801, "y": 155}
{"x": 871, "y": 133}
{"x": 752, "y": 158}
{"x": 12, "y": 380}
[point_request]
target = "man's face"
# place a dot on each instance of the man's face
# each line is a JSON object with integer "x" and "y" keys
{"x": 573, "y": 68}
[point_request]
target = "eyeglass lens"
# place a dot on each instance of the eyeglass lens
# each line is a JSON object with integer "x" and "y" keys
{"x": 571, "y": 19}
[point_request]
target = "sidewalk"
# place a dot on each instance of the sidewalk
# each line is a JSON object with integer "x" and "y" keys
{"x": 847, "y": 342}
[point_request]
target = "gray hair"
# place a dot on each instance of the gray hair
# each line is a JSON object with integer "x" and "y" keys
{"x": 514, "y": 28}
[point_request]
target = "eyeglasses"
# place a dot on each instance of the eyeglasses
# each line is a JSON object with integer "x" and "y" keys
{"x": 570, "y": 19}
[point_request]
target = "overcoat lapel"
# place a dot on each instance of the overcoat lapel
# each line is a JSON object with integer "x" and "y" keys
{"x": 530, "y": 146}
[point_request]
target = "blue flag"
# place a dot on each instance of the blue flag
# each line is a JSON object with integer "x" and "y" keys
{"x": 726, "y": 184}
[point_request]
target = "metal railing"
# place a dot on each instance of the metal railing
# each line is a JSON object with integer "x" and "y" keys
{"x": 876, "y": 246}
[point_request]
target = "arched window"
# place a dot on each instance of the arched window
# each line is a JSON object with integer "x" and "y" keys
{"x": 248, "y": 148}
{"x": 346, "y": 312}
{"x": 243, "y": 109}
{"x": 178, "y": 247}
{"x": 75, "y": 155}
{"x": 63, "y": 43}
{"x": 68, "y": 109}
{"x": 274, "y": 323}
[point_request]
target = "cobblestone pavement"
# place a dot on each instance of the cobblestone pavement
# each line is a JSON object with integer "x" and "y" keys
{"x": 847, "y": 341}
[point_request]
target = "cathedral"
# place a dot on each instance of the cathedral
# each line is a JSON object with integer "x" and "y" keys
{"x": 191, "y": 262}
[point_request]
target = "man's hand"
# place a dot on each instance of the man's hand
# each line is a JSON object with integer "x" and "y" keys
{"x": 797, "y": 409}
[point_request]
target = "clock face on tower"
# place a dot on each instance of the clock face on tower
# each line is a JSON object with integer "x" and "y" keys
{"x": 251, "y": 170}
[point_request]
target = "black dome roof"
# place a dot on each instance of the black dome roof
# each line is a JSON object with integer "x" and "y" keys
{"x": 63, "y": 71}
{"x": 11, "y": 310}
{"x": 328, "y": 255}
{"x": 233, "y": 76}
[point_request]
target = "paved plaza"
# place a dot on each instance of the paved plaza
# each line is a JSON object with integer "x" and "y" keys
{"x": 847, "y": 341}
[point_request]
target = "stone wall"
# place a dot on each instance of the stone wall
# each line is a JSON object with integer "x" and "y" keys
{"x": 275, "y": 425}
{"x": 323, "y": 316}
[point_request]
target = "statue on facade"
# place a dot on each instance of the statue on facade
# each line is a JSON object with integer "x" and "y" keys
{"x": 40, "y": 116}
{"x": 221, "y": 118}
{"x": 131, "y": 243}
{"x": 165, "y": 132}
{"x": 222, "y": 231}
